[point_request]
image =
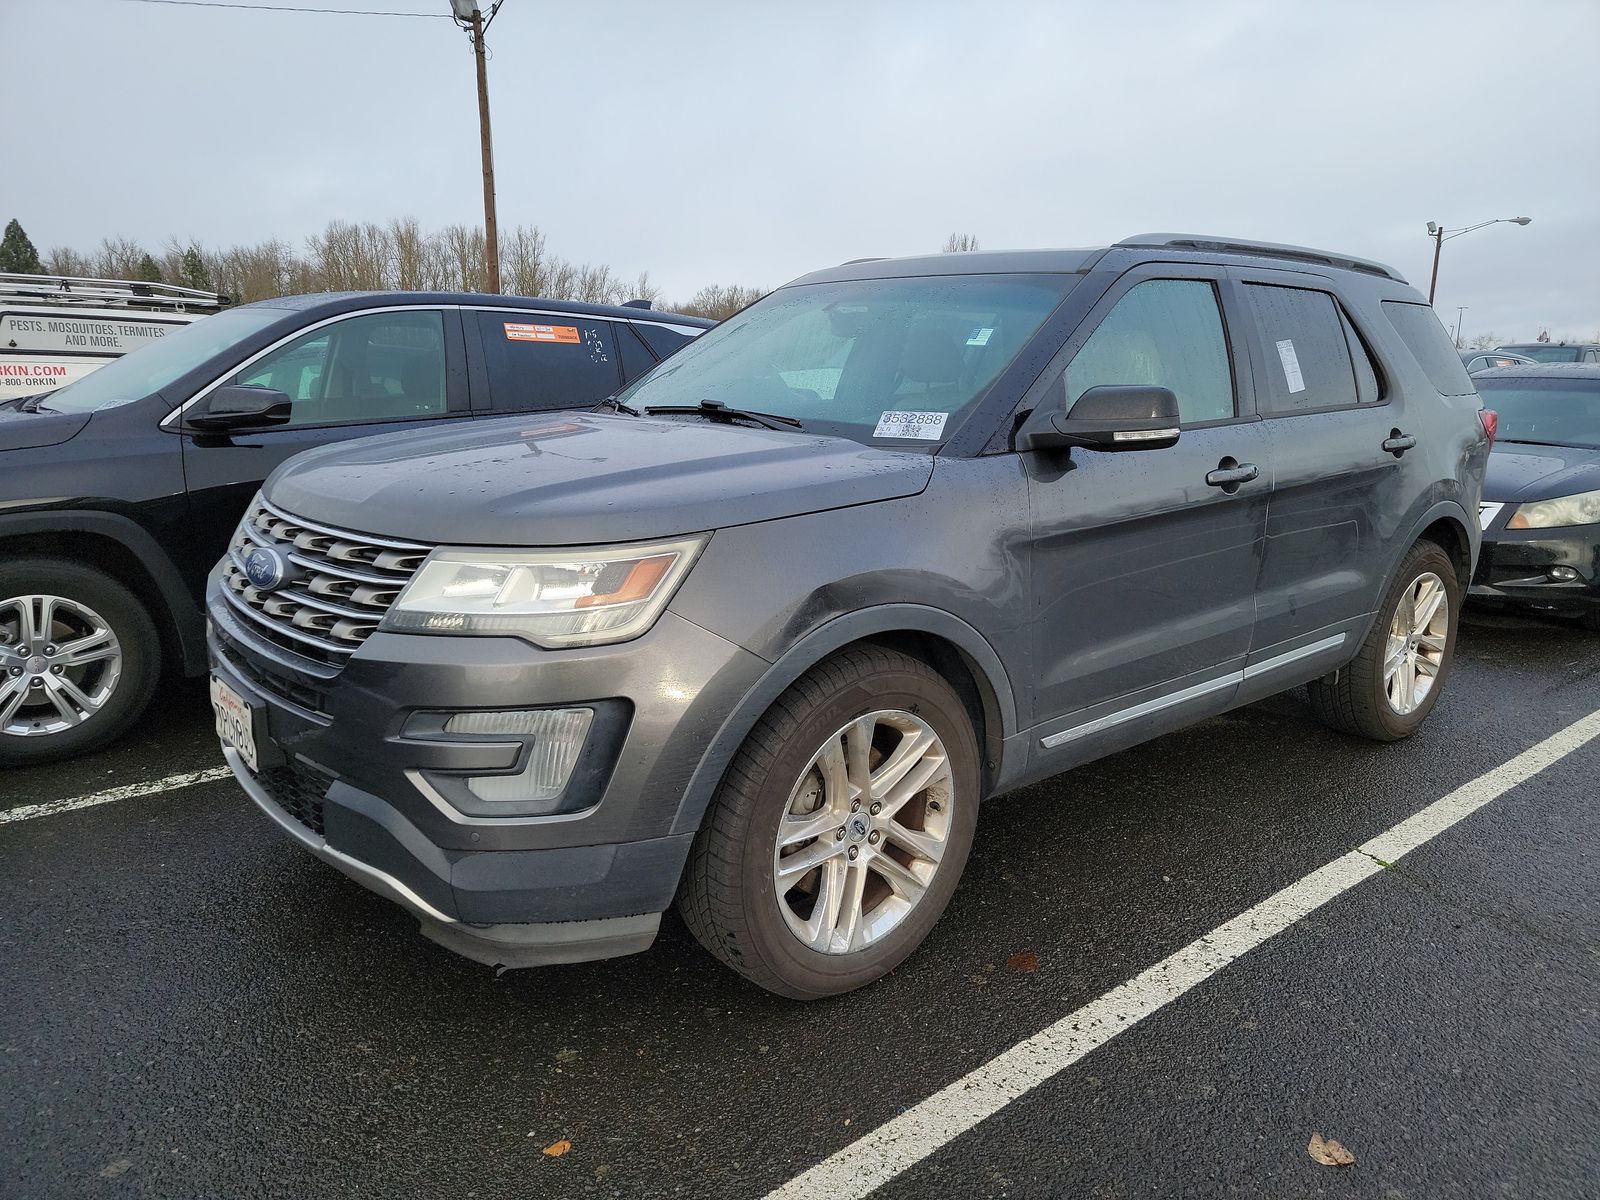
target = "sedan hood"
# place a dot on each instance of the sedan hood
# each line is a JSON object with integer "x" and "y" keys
{"x": 35, "y": 430}
{"x": 1519, "y": 471}
{"x": 563, "y": 479}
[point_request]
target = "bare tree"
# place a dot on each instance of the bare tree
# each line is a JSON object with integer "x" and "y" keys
{"x": 1484, "y": 341}
{"x": 117, "y": 258}
{"x": 63, "y": 260}
{"x": 719, "y": 301}
{"x": 957, "y": 242}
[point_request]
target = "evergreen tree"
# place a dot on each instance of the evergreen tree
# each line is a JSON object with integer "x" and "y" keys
{"x": 147, "y": 270}
{"x": 17, "y": 253}
{"x": 194, "y": 270}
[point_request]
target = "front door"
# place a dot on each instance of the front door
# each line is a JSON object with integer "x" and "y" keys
{"x": 1145, "y": 562}
{"x": 353, "y": 376}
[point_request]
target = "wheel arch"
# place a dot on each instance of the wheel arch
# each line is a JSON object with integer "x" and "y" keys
{"x": 944, "y": 642}
{"x": 125, "y": 551}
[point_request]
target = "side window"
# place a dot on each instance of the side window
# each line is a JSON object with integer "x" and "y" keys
{"x": 1307, "y": 349}
{"x": 536, "y": 361}
{"x": 662, "y": 340}
{"x": 377, "y": 367}
{"x": 1167, "y": 333}
{"x": 632, "y": 353}
{"x": 1420, "y": 329}
{"x": 1368, "y": 389}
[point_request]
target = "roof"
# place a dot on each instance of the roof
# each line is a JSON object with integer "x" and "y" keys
{"x": 1176, "y": 245}
{"x": 336, "y": 302}
{"x": 1543, "y": 371}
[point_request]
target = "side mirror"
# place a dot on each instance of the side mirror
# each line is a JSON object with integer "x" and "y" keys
{"x": 1109, "y": 417}
{"x": 241, "y": 406}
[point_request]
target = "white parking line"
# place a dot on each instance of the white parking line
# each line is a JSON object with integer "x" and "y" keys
{"x": 27, "y": 812}
{"x": 863, "y": 1166}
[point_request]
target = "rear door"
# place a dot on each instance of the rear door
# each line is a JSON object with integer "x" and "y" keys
{"x": 347, "y": 377}
{"x": 534, "y": 362}
{"x": 1143, "y": 570}
{"x": 1342, "y": 474}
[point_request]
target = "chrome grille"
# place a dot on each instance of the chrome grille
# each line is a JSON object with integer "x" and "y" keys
{"x": 338, "y": 589}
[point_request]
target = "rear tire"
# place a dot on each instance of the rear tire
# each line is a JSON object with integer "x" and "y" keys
{"x": 79, "y": 659}
{"x": 838, "y": 834}
{"x": 1387, "y": 691}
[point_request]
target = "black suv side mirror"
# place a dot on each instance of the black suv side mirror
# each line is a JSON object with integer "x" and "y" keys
{"x": 240, "y": 406}
{"x": 1109, "y": 417}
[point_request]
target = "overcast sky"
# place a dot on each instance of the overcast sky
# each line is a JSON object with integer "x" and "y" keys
{"x": 751, "y": 142}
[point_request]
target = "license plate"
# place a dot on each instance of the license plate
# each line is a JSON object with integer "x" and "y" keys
{"x": 235, "y": 725}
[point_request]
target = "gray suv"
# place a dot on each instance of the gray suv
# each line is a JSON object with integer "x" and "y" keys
{"x": 757, "y": 638}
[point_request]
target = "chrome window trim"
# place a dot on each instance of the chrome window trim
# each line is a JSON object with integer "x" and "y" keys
{"x": 692, "y": 330}
{"x": 1196, "y": 691}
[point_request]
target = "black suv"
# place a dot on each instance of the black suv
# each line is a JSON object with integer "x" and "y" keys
{"x": 119, "y": 491}
{"x": 900, "y": 537}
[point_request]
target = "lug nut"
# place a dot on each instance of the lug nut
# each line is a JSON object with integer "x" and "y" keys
{"x": 855, "y": 806}
{"x": 57, "y": 669}
{"x": 36, "y": 681}
{"x": 49, "y": 651}
{"x": 855, "y": 852}
{"x": 873, "y": 837}
{"x": 876, "y": 808}
{"x": 839, "y": 834}
{"x": 16, "y": 670}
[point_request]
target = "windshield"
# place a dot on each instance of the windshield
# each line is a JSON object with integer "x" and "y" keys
{"x": 154, "y": 365}
{"x": 1556, "y": 412}
{"x": 1542, "y": 353}
{"x": 896, "y": 361}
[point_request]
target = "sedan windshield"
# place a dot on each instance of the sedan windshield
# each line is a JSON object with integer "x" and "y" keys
{"x": 1553, "y": 412}
{"x": 154, "y": 365}
{"x": 896, "y": 361}
{"x": 1540, "y": 352}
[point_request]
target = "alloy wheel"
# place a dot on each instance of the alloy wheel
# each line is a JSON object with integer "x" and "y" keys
{"x": 1418, "y": 635}
{"x": 59, "y": 663}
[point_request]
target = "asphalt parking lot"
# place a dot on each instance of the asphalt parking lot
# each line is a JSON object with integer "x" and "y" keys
{"x": 195, "y": 1008}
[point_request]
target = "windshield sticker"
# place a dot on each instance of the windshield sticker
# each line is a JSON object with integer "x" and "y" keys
{"x": 924, "y": 426}
{"x": 541, "y": 333}
{"x": 980, "y": 337}
{"x": 1291, "y": 366}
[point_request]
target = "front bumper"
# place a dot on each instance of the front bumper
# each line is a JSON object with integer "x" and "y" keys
{"x": 344, "y": 777}
{"x": 1523, "y": 568}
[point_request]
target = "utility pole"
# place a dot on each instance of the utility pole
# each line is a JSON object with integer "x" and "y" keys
{"x": 1441, "y": 235}
{"x": 1460, "y": 309}
{"x": 470, "y": 17}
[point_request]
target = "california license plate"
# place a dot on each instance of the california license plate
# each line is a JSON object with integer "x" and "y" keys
{"x": 235, "y": 722}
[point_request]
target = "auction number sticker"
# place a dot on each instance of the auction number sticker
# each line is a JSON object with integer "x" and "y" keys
{"x": 924, "y": 426}
{"x": 516, "y": 332}
{"x": 1291, "y": 366}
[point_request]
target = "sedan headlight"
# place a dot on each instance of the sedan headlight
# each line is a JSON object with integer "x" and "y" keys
{"x": 1582, "y": 509}
{"x": 553, "y": 598}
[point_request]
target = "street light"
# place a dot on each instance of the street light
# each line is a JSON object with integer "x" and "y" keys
{"x": 1460, "y": 312}
{"x": 1441, "y": 235}
{"x": 470, "y": 17}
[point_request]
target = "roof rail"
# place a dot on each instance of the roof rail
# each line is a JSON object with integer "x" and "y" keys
{"x": 1216, "y": 245}
{"x": 73, "y": 289}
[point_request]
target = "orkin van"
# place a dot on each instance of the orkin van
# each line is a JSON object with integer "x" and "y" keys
{"x": 56, "y": 329}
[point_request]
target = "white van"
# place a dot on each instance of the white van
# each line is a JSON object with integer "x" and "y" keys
{"x": 56, "y": 329}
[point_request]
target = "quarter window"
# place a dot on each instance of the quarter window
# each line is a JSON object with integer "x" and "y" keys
{"x": 1308, "y": 350}
{"x": 378, "y": 367}
{"x": 538, "y": 361}
{"x": 1420, "y": 329}
{"x": 1165, "y": 333}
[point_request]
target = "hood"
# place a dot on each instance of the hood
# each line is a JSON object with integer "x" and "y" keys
{"x": 575, "y": 478}
{"x": 35, "y": 430}
{"x": 1520, "y": 472}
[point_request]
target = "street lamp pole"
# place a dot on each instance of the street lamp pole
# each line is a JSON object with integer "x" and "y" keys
{"x": 471, "y": 18}
{"x": 1441, "y": 235}
{"x": 1460, "y": 310}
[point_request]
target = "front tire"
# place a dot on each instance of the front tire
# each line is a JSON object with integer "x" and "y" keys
{"x": 79, "y": 659}
{"x": 1391, "y": 686}
{"x": 840, "y": 831}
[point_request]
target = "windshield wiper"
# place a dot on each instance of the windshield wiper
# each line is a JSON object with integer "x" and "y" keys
{"x": 616, "y": 405}
{"x": 717, "y": 410}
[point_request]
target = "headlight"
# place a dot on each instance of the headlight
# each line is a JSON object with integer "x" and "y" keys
{"x": 1582, "y": 509}
{"x": 553, "y": 598}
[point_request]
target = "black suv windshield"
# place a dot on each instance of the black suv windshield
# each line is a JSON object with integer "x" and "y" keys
{"x": 878, "y": 360}
{"x": 1555, "y": 412}
{"x": 154, "y": 365}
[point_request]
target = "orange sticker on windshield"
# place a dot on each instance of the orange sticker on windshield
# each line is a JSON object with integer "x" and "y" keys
{"x": 541, "y": 333}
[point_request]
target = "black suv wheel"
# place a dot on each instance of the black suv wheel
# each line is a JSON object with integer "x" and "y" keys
{"x": 79, "y": 657}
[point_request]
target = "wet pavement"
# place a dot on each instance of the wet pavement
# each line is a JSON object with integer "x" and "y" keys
{"x": 194, "y": 1007}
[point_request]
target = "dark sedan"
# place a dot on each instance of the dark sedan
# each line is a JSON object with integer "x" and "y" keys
{"x": 1485, "y": 360}
{"x": 1541, "y": 498}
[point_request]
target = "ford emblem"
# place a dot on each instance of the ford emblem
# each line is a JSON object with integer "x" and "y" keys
{"x": 265, "y": 568}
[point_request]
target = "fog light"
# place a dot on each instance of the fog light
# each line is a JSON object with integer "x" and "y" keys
{"x": 558, "y": 735}
{"x": 1562, "y": 574}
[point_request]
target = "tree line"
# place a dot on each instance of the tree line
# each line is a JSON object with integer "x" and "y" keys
{"x": 362, "y": 256}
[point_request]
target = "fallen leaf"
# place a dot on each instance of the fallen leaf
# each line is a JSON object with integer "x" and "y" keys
{"x": 1329, "y": 1152}
{"x": 116, "y": 1168}
{"x": 566, "y": 1056}
{"x": 557, "y": 1149}
{"x": 1026, "y": 961}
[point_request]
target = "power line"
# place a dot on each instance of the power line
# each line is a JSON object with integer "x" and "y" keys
{"x": 347, "y": 12}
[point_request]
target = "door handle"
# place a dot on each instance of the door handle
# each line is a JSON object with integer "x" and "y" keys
{"x": 1229, "y": 475}
{"x": 1398, "y": 443}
